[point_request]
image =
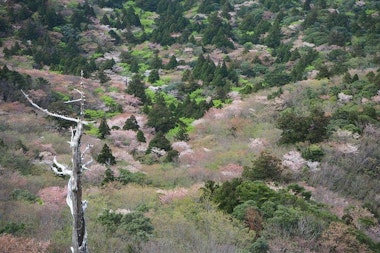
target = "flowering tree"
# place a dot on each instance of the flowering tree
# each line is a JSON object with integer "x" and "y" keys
{"x": 74, "y": 194}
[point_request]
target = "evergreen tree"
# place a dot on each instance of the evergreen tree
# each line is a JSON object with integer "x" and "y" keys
{"x": 131, "y": 124}
{"x": 103, "y": 78}
{"x": 104, "y": 128}
{"x": 134, "y": 65}
{"x": 265, "y": 167}
{"x": 156, "y": 62}
{"x": 306, "y": 5}
{"x": 274, "y": 37}
{"x": 182, "y": 134}
{"x": 317, "y": 130}
{"x": 217, "y": 32}
{"x": 140, "y": 136}
{"x": 109, "y": 176}
{"x": 136, "y": 87}
{"x": 105, "y": 20}
{"x": 153, "y": 76}
{"x": 161, "y": 117}
{"x": 347, "y": 79}
{"x": 105, "y": 156}
{"x": 172, "y": 62}
{"x": 223, "y": 69}
{"x": 159, "y": 141}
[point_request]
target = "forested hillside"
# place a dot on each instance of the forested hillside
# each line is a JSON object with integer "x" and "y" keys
{"x": 216, "y": 125}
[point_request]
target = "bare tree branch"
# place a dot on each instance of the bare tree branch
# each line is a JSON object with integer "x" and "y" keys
{"x": 84, "y": 166}
{"x": 88, "y": 147}
{"x": 51, "y": 113}
{"x": 73, "y": 101}
{"x": 64, "y": 171}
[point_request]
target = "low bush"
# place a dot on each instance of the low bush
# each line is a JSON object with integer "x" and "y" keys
{"x": 19, "y": 194}
{"x": 313, "y": 153}
{"x": 12, "y": 228}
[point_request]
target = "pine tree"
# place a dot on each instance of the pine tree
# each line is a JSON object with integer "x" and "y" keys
{"x": 159, "y": 141}
{"x": 265, "y": 167}
{"x": 156, "y": 62}
{"x": 274, "y": 37}
{"x": 161, "y": 117}
{"x": 136, "y": 87}
{"x": 172, "y": 62}
{"x": 131, "y": 124}
{"x": 134, "y": 67}
{"x": 140, "y": 136}
{"x": 105, "y": 20}
{"x": 109, "y": 176}
{"x": 104, "y": 128}
{"x": 153, "y": 76}
{"x": 105, "y": 156}
{"x": 182, "y": 134}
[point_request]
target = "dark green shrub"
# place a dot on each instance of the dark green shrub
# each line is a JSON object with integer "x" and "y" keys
{"x": 265, "y": 167}
{"x": 298, "y": 128}
{"x": 240, "y": 210}
{"x": 110, "y": 220}
{"x": 109, "y": 176}
{"x": 259, "y": 246}
{"x": 24, "y": 195}
{"x": 159, "y": 141}
{"x": 226, "y": 195}
{"x": 172, "y": 156}
{"x": 127, "y": 177}
{"x": 300, "y": 191}
{"x": 257, "y": 191}
{"x": 294, "y": 127}
{"x": 12, "y": 228}
{"x": 16, "y": 162}
{"x": 313, "y": 153}
{"x": 135, "y": 224}
{"x": 108, "y": 64}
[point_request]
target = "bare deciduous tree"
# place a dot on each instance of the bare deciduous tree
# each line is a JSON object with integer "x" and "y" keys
{"x": 74, "y": 194}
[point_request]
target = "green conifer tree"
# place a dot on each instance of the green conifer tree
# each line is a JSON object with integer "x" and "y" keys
{"x": 131, "y": 124}
{"x": 136, "y": 87}
{"x": 172, "y": 62}
{"x": 104, "y": 128}
{"x": 159, "y": 141}
{"x": 161, "y": 117}
{"x": 140, "y": 136}
{"x": 105, "y": 156}
{"x": 153, "y": 76}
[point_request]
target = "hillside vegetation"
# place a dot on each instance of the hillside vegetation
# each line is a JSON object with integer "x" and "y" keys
{"x": 218, "y": 125}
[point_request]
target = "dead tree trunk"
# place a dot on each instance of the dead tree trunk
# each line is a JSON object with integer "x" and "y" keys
{"x": 74, "y": 194}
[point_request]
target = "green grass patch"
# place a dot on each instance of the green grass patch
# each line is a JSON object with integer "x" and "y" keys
{"x": 97, "y": 55}
{"x": 93, "y": 114}
{"x": 114, "y": 89}
{"x": 108, "y": 101}
{"x": 92, "y": 130}
{"x": 99, "y": 91}
{"x": 160, "y": 82}
{"x": 143, "y": 67}
{"x": 146, "y": 53}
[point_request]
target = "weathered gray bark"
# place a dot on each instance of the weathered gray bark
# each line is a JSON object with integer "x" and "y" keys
{"x": 74, "y": 194}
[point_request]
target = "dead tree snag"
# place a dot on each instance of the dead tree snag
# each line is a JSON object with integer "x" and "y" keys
{"x": 74, "y": 171}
